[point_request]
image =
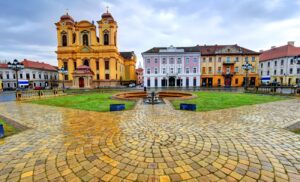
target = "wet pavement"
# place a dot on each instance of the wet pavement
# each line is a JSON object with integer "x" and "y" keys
{"x": 152, "y": 143}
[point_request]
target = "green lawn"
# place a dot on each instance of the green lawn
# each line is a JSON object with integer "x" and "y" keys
{"x": 208, "y": 101}
{"x": 89, "y": 101}
{"x": 8, "y": 129}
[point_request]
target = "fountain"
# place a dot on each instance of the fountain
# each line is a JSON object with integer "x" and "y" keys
{"x": 153, "y": 99}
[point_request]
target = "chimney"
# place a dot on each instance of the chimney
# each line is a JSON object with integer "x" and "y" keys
{"x": 292, "y": 43}
{"x": 273, "y": 47}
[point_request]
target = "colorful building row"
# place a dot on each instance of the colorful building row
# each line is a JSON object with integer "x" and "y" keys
{"x": 208, "y": 66}
{"x": 90, "y": 54}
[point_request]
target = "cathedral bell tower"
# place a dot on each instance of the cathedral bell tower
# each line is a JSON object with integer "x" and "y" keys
{"x": 107, "y": 30}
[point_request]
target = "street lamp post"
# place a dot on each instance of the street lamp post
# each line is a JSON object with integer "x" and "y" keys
{"x": 247, "y": 66}
{"x": 63, "y": 72}
{"x": 16, "y": 66}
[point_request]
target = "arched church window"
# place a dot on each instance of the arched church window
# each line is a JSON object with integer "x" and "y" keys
{"x": 64, "y": 40}
{"x": 106, "y": 38}
{"x": 85, "y": 39}
{"x": 86, "y": 62}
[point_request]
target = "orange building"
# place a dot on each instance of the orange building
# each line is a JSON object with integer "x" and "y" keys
{"x": 221, "y": 65}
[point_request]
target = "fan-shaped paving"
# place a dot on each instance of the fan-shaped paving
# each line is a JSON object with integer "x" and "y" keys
{"x": 152, "y": 143}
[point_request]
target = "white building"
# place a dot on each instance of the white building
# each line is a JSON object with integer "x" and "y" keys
{"x": 37, "y": 74}
{"x": 279, "y": 64}
{"x": 172, "y": 67}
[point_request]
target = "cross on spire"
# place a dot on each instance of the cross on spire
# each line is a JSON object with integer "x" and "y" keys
{"x": 67, "y": 11}
{"x": 107, "y": 7}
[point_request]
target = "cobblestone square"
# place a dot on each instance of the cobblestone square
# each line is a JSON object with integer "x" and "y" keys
{"x": 152, "y": 143}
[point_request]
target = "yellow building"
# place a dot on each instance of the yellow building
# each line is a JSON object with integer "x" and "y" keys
{"x": 91, "y": 55}
{"x": 222, "y": 66}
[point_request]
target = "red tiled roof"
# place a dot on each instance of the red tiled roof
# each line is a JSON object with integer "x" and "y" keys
{"x": 83, "y": 69}
{"x": 2, "y": 65}
{"x": 38, "y": 65}
{"x": 139, "y": 70}
{"x": 279, "y": 52}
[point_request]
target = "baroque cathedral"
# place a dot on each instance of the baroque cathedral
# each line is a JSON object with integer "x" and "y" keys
{"x": 91, "y": 57}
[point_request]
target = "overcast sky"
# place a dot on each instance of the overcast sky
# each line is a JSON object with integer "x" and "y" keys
{"x": 27, "y": 27}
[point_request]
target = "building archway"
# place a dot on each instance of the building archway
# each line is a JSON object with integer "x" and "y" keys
{"x": 172, "y": 81}
{"x": 81, "y": 82}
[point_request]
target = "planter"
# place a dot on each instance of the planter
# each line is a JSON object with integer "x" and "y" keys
{"x": 117, "y": 107}
{"x": 188, "y": 107}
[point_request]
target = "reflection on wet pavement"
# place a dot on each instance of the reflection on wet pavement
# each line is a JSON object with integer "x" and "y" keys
{"x": 152, "y": 143}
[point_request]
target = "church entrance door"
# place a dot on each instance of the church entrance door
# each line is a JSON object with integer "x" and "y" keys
{"x": 81, "y": 82}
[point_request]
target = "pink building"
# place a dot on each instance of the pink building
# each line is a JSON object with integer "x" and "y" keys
{"x": 172, "y": 67}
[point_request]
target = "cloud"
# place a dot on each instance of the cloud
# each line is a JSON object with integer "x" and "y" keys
{"x": 28, "y": 30}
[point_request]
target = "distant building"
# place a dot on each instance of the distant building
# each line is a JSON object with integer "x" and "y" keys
{"x": 222, "y": 66}
{"x": 139, "y": 74}
{"x": 172, "y": 67}
{"x": 278, "y": 64}
{"x": 38, "y": 74}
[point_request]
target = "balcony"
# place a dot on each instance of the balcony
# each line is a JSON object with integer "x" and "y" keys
{"x": 226, "y": 74}
{"x": 228, "y": 62}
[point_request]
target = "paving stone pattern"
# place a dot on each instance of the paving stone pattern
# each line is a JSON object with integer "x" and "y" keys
{"x": 152, "y": 143}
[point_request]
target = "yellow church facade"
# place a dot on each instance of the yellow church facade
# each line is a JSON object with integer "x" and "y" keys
{"x": 91, "y": 55}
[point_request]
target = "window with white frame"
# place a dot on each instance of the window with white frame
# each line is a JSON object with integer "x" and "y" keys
{"x": 228, "y": 59}
{"x": 187, "y": 70}
{"x": 236, "y": 69}
{"x": 187, "y": 60}
{"x": 179, "y": 70}
{"x": 253, "y": 59}
{"x": 155, "y": 60}
{"x": 148, "y": 70}
{"x": 164, "y": 61}
{"x": 195, "y": 60}
{"x": 164, "y": 70}
{"x": 155, "y": 70}
{"x": 148, "y": 61}
{"x": 171, "y": 70}
{"x": 194, "y": 70}
{"x": 178, "y": 60}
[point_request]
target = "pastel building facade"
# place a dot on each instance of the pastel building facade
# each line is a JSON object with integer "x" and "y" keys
{"x": 222, "y": 66}
{"x": 280, "y": 65}
{"x": 139, "y": 75}
{"x": 38, "y": 74}
{"x": 172, "y": 67}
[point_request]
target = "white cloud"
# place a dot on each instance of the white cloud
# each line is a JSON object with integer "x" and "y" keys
{"x": 255, "y": 24}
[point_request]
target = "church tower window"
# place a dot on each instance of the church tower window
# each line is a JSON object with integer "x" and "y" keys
{"x": 106, "y": 38}
{"x": 85, "y": 39}
{"x": 64, "y": 39}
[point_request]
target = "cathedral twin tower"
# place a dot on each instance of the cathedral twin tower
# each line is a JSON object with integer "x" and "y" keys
{"x": 92, "y": 61}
